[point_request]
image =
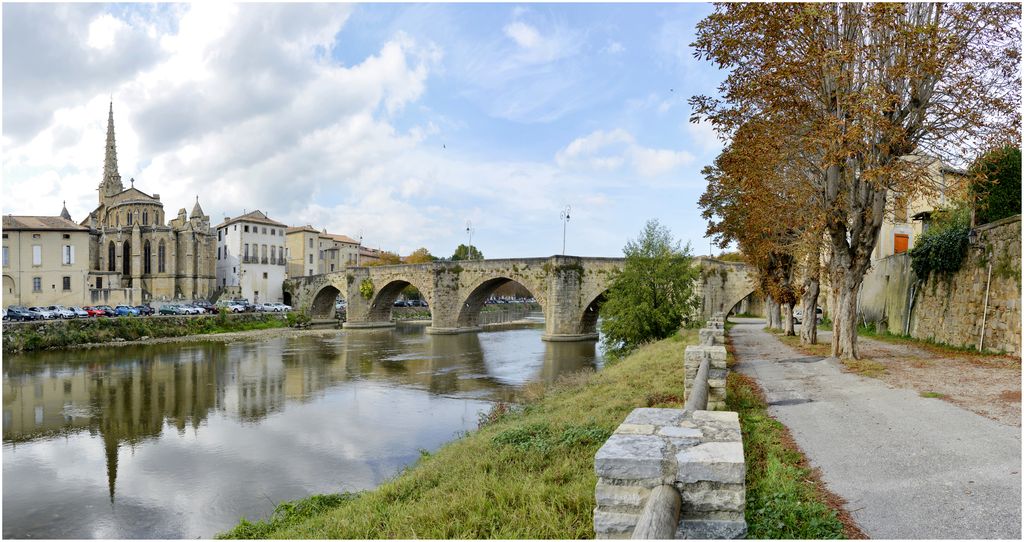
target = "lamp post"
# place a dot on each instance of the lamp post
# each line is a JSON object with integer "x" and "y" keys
{"x": 565, "y": 222}
{"x": 469, "y": 249}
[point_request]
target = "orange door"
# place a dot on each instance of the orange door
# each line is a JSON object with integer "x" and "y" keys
{"x": 900, "y": 242}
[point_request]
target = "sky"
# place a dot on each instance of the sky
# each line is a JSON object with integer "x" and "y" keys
{"x": 396, "y": 123}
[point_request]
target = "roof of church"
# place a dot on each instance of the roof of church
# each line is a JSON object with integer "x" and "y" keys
{"x": 196, "y": 209}
{"x": 56, "y": 223}
{"x": 256, "y": 216}
{"x": 64, "y": 211}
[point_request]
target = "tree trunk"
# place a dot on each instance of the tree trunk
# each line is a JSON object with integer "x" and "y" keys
{"x": 809, "y": 325}
{"x": 775, "y": 315}
{"x": 844, "y": 327}
{"x": 788, "y": 321}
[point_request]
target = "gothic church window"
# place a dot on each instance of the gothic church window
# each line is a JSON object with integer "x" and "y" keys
{"x": 161, "y": 257}
{"x": 111, "y": 257}
{"x": 147, "y": 258}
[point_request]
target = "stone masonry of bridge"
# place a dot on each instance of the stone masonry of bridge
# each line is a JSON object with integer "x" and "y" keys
{"x": 569, "y": 289}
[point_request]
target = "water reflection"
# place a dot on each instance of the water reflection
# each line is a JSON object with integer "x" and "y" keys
{"x": 206, "y": 433}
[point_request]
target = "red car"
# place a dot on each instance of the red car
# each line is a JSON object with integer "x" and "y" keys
{"x": 93, "y": 311}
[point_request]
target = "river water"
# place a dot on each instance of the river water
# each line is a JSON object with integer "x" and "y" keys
{"x": 181, "y": 440}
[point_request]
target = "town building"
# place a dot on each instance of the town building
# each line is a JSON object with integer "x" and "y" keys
{"x": 132, "y": 247}
{"x": 45, "y": 261}
{"x": 313, "y": 252}
{"x": 251, "y": 257}
{"x": 907, "y": 218}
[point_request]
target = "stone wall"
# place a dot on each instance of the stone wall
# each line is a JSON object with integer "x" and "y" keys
{"x": 951, "y": 310}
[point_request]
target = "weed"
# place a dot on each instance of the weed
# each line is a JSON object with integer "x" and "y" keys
{"x": 933, "y": 395}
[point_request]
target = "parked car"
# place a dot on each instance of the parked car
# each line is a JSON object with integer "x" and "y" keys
{"x": 107, "y": 310}
{"x": 95, "y": 311}
{"x": 44, "y": 312}
{"x": 60, "y": 312}
{"x": 125, "y": 310}
{"x": 206, "y": 306}
{"x": 266, "y": 307}
{"x": 190, "y": 309}
{"x": 170, "y": 309}
{"x": 798, "y": 315}
{"x": 145, "y": 310}
{"x": 79, "y": 312}
{"x": 5, "y": 313}
{"x": 281, "y": 307}
{"x": 231, "y": 306}
{"x": 18, "y": 313}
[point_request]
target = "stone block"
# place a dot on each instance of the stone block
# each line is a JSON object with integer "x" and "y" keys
{"x": 627, "y": 499}
{"x": 634, "y": 429}
{"x": 712, "y": 500}
{"x": 655, "y": 416}
{"x": 631, "y": 457}
{"x": 613, "y": 523}
{"x": 680, "y": 432}
{"x": 711, "y": 529}
{"x": 712, "y": 461}
{"x": 716, "y": 416}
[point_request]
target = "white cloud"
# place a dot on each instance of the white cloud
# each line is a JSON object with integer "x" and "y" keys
{"x": 523, "y": 34}
{"x": 611, "y": 150}
{"x": 103, "y": 30}
{"x": 703, "y": 136}
{"x": 613, "y": 48}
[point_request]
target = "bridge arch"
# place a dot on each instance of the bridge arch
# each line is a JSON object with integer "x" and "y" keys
{"x": 322, "y": 307}
{"x": 588, "y": 321}
{"x": 385, "y": 295}
{"x": 471, "y": 305}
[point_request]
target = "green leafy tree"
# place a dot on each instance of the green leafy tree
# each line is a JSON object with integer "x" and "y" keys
{"x": 652, "y": 294}
{"x": 464, "y": 252}
{"x": 998, "y": 191}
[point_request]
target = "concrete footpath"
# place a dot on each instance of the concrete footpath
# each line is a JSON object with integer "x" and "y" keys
{"x": 908, "y": 466}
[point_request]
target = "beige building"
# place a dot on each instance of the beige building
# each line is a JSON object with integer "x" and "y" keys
{"x": 313, "y": 252}
{"x": 906, "y": 220}
{"x": 132, "y": 246}
{"x": 45, "y": 261}
{"x": 251, "y": 257}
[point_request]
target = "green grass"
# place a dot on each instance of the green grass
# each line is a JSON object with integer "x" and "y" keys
{"x": 933, "y": 395}
{"x": 66, "y": 333}
{"x": 869, "y": 330}
{"x": 528, "y": 472}
{"x": 784, "y": 497}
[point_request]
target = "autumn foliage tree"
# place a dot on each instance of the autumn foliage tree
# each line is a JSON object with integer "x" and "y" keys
{"x": 862, "y": 87}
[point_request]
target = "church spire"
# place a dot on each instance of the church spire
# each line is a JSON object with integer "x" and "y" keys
{"x": 111, "y": 178}
{"x": 64, "y": 211}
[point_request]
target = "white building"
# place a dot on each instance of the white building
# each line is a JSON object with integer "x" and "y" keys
{"x": 251, "y": 257}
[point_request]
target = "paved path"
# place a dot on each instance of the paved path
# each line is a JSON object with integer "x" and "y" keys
{"x": 908, "y": 467}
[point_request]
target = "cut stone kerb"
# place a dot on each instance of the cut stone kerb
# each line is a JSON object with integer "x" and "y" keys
{"x": 716, "y": 355}
{"x": 711, "y": 336}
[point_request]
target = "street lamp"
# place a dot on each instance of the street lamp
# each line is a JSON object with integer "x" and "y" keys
{"x": 469, "y": 249}
{"x": 565, "y": 221}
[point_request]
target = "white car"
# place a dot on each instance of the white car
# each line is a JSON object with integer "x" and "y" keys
{"x": 79, "y": 312}
{"x": 266, "y": 307}
{"x": 46, "y": 313}
{"x": 192, "y": 309}
{"x": 281, "y": 307}
{"x": 60, "y": 312}
{"x": 799, "y": 313}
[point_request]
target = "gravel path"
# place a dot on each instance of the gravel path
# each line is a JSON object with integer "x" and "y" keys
{"x": 908, "y": 467}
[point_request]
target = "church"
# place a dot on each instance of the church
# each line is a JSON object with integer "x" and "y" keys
{"x": 131, "y": 247}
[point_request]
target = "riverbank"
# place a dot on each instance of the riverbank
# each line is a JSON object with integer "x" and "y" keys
{"x": 92, "y": 332}
{"x": 527, "y": 472}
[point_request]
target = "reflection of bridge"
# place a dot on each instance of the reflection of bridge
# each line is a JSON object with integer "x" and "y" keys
{"x": 569, "y": 289}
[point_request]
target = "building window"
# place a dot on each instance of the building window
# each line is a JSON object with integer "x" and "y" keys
{"x": 901, "y": 241}
{"x": 263, "y": 252}
{"x": 264, "y": 275}
{"x": 36, "y": 236}
{"x": 310, "y": 243}
{"x": 332, "y": 267}
{"x": 99, "y": 283}
{"x": 67, "y": 284}
{"x": 6, "y": 257}
{"x": 147, "y": 258}
{"x": 37, "y": 284}
{"x": 161, "y": 257}
{"x": 223, "y": 282}
{"x": 145, "y": 218}
{"x": 129, "y": 218}
{"x": 117, "y": 220}
{"x": 66, "y": 236}
{"x": 68, "y": 254}
{"x": 218, "y": 234}
{"x": 310, "y": 258}
{"x": 111, "y": 257}
{"x": 311, "y": 272}
{"x": 273, "y": 254}
{"x": 246, "y": 230}
{"x": 218, "y": 253}
{"x": 246, "y": 246}
{"x": 273, "y": 231}
{"x": 37, "y": 255}
{"x": 264, "y": 230}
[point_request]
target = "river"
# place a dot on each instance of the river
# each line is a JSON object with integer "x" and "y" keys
{"x": 180, "y": 440}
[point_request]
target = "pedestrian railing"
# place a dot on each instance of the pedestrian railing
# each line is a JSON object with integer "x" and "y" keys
{"x": 671, "y": 473}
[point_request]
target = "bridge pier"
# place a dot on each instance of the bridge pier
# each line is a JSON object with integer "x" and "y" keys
{"x": 433, "y": 330}
{"x": 367, "y": 325}
{"x": 569, "y": 337}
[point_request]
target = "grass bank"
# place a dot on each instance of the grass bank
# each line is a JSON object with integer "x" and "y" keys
{"x": 24, "y": 337}
{"x": 528, "y": 472}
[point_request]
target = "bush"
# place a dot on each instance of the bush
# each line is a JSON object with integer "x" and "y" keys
{"x": 998, "y": 194}
{"x": 942, "y": 248}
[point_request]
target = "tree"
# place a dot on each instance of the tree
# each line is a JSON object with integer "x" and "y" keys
{"x": 870, "y": 84}
{"x": 997, "y": 192}
{"x": 462, "y": 252}
{"x": 420, "y": 255}
{"x": 652, "y": 294}
{"x": 386, "y": 258}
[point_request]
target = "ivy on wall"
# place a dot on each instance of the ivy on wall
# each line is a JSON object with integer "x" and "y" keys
{"x": 942, "y": 248}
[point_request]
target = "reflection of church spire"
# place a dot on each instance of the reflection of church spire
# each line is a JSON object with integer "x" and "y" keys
{"x": 110, "y": 443}
{"x": 111, "y": 178}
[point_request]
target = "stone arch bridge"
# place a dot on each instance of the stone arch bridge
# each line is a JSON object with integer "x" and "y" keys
{"x": 569, "y": 289}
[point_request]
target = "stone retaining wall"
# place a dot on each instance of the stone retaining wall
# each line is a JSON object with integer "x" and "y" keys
{"x": 951, "y": 310}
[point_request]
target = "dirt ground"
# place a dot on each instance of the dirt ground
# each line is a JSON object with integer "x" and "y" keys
{"x": 986, "y": 385}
